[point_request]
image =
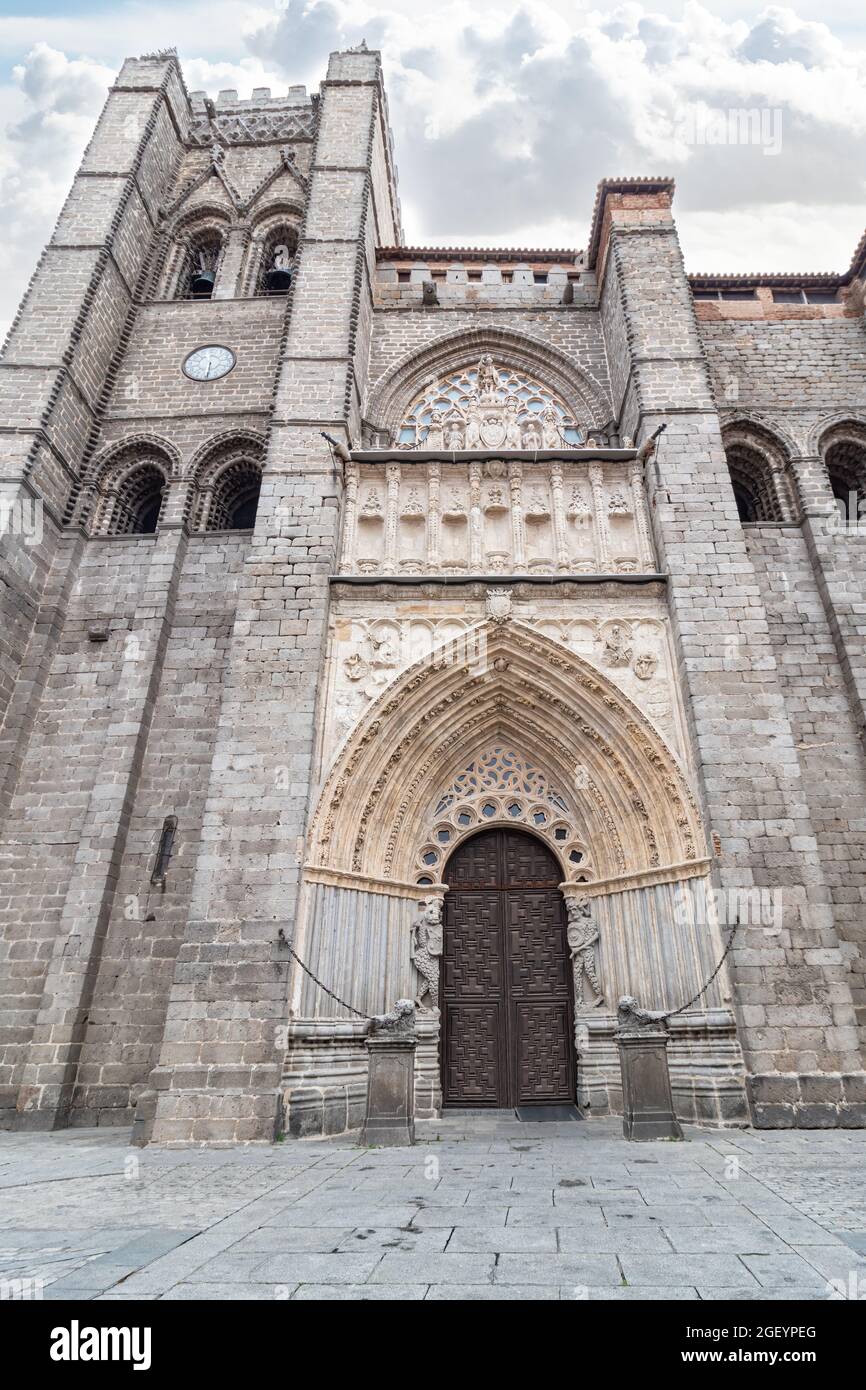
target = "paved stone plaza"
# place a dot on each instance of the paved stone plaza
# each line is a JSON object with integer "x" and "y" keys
{"x": 482, "y": 1207}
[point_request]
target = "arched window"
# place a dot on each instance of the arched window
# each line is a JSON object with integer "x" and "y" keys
{"x": 136, "y": 504}
{"x": 760, "y": 476}
{"x": 198, "y": 270}
{"x": 845, "y": 461}
{"x": 235, "y": 497}
{"x": 225, "y": 495}
{"x": 754, "y": 484}
{"x": 276, "y": 262}
{"x": 191, "y": 262}
{"x": 124, "y": 494}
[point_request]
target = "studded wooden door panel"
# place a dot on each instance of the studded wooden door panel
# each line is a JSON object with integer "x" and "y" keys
{"x": 506, "y": 976}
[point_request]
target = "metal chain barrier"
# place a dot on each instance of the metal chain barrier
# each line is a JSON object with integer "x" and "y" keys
{"x": 670, "y": 1014}
{"x": 696, "y": 997}
{"x": 330, "y": 993}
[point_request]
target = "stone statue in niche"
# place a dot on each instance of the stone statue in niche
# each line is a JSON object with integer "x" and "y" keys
{"x": 513, "y": 438}
{"x": 551, "y": 435}
{"x": 426, "y": 950}
{"x": 453, "y": 435}
{"x": 645, "y": 666}
{"x": 531, "y": 434}
{"x": 435, "y": 437}
{"x": 473, "y": 428}
{"x": 282, "y": 257}
{"x": 615, "y": 649}
{"x": 488, "y": 377}
{"x": 582, "y": 936}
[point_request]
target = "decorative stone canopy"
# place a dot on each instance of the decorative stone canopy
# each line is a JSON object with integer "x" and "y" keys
{"x": 628, "y": 799}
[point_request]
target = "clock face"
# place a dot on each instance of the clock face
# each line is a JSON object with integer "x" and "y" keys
{"x": 209, "y": 363}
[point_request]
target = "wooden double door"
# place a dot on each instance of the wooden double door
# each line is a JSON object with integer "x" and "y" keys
{"x": 506, "y": 980}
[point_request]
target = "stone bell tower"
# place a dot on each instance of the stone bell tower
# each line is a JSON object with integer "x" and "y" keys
{"x": 157, "y": 742}
{"x": 259, "y": 791}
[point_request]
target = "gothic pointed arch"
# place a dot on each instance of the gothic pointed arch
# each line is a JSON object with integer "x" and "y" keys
{"x": 194, "y": 243}
{"x": 272, "y": 245}
{"x": 558, "y": 739}
{"x": 394, "y": 392}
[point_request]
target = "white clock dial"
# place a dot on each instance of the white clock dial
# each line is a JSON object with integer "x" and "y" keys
{"x": 209, "y": 363}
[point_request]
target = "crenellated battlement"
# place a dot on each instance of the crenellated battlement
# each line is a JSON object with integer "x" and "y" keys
{"x": 259, "y": 119}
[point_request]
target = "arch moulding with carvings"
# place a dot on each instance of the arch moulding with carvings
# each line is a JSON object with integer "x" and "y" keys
{"x": 396, "y": 389}
{"x": 626, "y": 798}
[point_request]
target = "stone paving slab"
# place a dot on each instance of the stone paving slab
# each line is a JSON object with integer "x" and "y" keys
{"x": 480, "y": 1209}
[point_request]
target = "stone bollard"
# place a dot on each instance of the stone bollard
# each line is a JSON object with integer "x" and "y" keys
{"x": 390, "y": 1118}
{"x": 647, "y": 1106}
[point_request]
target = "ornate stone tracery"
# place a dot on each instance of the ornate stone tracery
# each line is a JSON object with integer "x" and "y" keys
{"x": 414, "y": 515}
{"x": 502, "y": 786}
{"x": 488, "y": 407}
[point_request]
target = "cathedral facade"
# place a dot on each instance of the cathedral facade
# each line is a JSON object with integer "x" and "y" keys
{"x": 481, "y": 627}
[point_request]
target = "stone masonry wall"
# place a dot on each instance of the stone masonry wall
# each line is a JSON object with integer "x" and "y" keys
{"x": 831, "y": 755}
{"x": 218, "y": 1075}
{"x": 749, "y": 765}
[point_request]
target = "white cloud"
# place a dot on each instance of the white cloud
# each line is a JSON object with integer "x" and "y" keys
{"x": 505, "y": 121}
{"x": 506, "y": 113}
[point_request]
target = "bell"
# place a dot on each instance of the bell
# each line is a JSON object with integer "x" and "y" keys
{"x": 202, "y": 283}
{"x": 278, "y": 280}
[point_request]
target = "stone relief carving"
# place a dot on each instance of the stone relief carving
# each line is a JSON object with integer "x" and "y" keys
{"x": 582, "y": 934}
{"x": 498, "y": 605}
{"x": 368, "y": 652}
{"x": 244, "y": 128}
{"x": 488, "y": 407}
{"x": 372, "y": 504}
{"x": 645, "y": 665}
{"x": 427, "y": 950}
{"x": 549, "y": 516}
{"x": 618, "y": 504}
{"x": 615, "y": 648}
{"x": 499, "y": 786}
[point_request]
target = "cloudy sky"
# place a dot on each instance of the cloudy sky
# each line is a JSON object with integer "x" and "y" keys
{"x": 506, "y": 113}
